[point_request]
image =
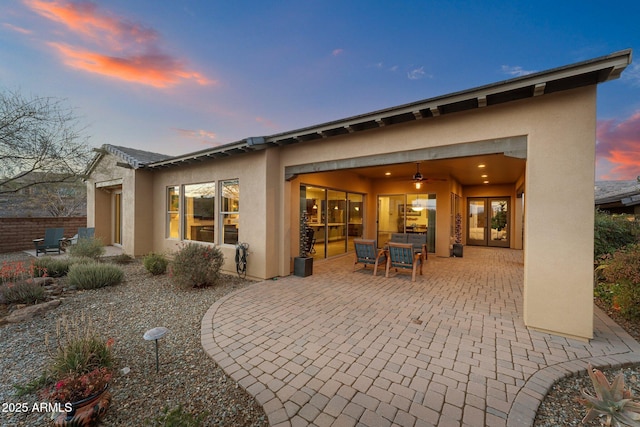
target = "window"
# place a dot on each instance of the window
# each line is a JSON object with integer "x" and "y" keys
{"x": 230, "y": 211}
{"x": 173, "y": 212}
{"x": 199, "y": 211}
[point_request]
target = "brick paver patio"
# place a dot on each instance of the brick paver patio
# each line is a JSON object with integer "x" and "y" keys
{"x": 343, "y": 348}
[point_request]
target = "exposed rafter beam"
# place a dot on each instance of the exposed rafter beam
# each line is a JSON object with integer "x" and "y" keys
{"x": 539, "y": 89}
{"x": 435, "y": 111}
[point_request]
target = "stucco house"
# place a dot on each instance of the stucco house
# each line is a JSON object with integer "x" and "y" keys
{"x": 618, "y": 197}
{"x": 508, "y": 164}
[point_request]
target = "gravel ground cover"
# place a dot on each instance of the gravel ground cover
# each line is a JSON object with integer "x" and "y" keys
{"x": 187, "y": 376}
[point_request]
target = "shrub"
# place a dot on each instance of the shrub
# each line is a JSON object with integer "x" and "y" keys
{"x": 155, "y": 263}
{"x": 622, "y": 273}
{"x": 92, "y": 248}
{"x": 23, "y": 292}
{"x": 196, "y": 265}
{"x": 95, "y": 275}
{"x": 122, "y": 259}
{"x": 612, "y": 232}
{"x": 79, "y": 350}
{"x": 52, "y": 267}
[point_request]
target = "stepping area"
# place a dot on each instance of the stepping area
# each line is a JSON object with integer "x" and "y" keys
{"x": 344, "y": 348}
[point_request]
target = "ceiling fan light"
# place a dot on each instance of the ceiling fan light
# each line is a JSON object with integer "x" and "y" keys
{"x": 418, "y": 185}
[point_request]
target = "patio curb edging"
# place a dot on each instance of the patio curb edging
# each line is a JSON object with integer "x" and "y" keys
{"x": 525, "y": 406}
{"x": 272, "y": 406}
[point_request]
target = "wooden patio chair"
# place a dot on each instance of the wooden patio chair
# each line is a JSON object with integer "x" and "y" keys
{"x": 401, "y": 255}
{"x": 367, "y": 253}
{"x": 52, "y": 241}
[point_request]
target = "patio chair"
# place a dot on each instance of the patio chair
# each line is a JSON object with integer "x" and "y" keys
{"x": 83, "y": 233}
{"x": 52, "y": 241}
{"x": 367, "y": 253}
{"x": 401, "y": 255}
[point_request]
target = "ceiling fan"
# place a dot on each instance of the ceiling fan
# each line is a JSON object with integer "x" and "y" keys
{"x": 418, "y": 179}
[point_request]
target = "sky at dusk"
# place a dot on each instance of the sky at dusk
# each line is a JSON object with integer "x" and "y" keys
{"x": 180, "y": 76}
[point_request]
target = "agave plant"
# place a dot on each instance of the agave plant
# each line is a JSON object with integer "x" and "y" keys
{"x": 613, "y": 401}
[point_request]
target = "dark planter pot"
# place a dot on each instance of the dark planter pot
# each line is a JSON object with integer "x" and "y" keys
{"x": 457, "y": 250}
{"x": 87, "y": 412}
{"x": 302, "y": 267}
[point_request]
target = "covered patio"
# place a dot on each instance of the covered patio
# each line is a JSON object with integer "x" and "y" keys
{"x": 345, "y": 348}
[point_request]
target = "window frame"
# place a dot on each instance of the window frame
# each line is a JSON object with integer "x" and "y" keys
{"x": 224, "y": 214}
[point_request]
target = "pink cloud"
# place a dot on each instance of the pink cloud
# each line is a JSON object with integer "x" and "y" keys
{"x": 118, "y": 48}
{"x": 618, "y": 142}
{"x": 266, "y": 122}
{"x": 16, "y": 28}
{"x": 205, "y": 137}
{"x": 337, "y": 52}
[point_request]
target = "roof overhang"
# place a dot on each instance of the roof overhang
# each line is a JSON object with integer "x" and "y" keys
{"x": 568, "y": 77}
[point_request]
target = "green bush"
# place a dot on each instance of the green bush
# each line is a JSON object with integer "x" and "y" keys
{"x": 622, "y": 274}
{"x": 51, "y": 267}
{"x": 93, "y": 276}
{"x": 612, "y": 232}
{"x": 197, "y": 265}
{"x": 92, "y": 248}
{"x": 155, "y": 263}
{"x": 22, "y": 292}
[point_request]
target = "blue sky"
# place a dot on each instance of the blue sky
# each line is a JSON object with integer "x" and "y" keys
{"x": 180, "y": 76}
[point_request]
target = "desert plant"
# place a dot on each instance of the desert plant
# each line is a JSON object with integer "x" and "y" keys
{"x": 94, "y": 275}
{"x": 612, "y": 232}
{"x": 92, "y": 248}
{"x": 23, "y": 292}
{"x": 78, "y": 348}
{"x": 178, "y": 417}
{"x": 622, "y": 275}
{"x": 122, "y": 259}
{"x": 52, "y": 267}
{"x": 155, "y": 263}
{"x": 612, "y": 401}
{"x": 196, "y": 265}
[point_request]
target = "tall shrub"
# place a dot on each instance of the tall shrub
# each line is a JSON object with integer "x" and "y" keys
{"x": 196, "y": 265}
{"x": 622, "y": 273}
{"x": 612, "y": 232}
{"x": 92, "y": 248}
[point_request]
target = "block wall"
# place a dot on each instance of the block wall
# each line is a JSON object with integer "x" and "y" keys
{"x": 18, "y": 233}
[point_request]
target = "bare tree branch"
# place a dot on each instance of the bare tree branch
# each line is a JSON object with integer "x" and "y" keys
{"x": 41, "y": 141}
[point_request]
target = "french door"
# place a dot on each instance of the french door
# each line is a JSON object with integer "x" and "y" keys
{"x": 489, "y": 221}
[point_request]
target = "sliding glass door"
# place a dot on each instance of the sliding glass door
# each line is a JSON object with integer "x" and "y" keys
{"x": 335, "y": 216}
{"x": 407, "y": 213}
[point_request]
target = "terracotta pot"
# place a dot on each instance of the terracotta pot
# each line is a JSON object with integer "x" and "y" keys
{"x": 86, "y": 412}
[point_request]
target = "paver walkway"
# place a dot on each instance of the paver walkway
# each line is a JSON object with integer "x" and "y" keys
{"x": 343, "y": 348}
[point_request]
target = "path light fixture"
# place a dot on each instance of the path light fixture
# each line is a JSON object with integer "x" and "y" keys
{"x": 155, "y": 334}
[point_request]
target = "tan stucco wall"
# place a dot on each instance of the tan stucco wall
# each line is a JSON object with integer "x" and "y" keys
{"x": 259, "y": 206}
{"x": 559, "y": 210}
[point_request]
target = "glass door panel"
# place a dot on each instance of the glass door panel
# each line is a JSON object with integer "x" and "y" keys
{"x": 391, "y": 215}
{"x": 477, "y": 226}
{"x": 117, "y": 223}
{"x": 336, "y": 224}
{"x": 499, "y": 222}
{"x": 355, "y": 219}
{"x": 314, "y": 203}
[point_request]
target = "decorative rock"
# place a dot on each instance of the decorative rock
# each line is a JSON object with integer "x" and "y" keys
{"x": 27, "y": 313}
{"x": 125, "y": 370}
{"x": 42, "y": 281}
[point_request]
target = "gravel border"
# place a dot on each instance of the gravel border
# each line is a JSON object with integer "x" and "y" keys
{"x": 187, "y": 376}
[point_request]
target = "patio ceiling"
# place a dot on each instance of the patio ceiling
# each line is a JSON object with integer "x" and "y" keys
{"x": 500, "y": 169}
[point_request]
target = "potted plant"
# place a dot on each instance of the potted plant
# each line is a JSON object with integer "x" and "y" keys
{"x": 79, "y": 374}
{"x": 82, "y": 400}
{"x": 303, "y": 264}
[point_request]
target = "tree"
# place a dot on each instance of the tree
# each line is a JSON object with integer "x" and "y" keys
{"x": 40, "y": 142}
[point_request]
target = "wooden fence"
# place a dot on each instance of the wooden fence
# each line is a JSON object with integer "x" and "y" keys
{"x": 17, "y": 234}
